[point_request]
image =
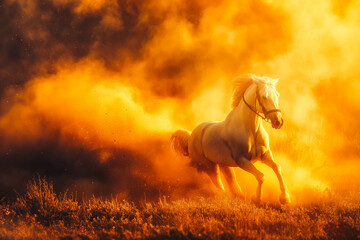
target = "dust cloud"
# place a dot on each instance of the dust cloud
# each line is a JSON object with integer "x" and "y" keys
{"x": 92, "y": 90}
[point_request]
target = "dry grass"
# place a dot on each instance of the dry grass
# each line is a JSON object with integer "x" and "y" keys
{"x": 42, "y": 214}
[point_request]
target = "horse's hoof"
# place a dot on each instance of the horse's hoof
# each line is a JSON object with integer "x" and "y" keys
{"x": 255, "y": 200}
{"x": 285, "y": 198}
{"x": 239, "y": 195}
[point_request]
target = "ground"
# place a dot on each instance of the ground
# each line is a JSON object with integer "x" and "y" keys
{"x": 42, "y": 214}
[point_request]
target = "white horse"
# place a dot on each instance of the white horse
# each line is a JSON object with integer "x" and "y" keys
{"x": 240, "y": 139}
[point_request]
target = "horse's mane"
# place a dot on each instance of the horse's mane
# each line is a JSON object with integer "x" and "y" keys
{"x": 242, "y": 82}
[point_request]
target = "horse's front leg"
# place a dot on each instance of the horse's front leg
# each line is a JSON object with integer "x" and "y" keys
{"x": 249, "y": 167}
{"x": 268, "y": 159}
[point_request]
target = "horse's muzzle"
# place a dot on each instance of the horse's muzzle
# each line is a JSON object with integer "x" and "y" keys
{"x": 277, "y": 121}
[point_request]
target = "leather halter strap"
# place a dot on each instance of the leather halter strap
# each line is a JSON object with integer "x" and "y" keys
{"x": 266, "y": 112}
{"x": 273, "y": 110}
{"x": 253, "y": 109}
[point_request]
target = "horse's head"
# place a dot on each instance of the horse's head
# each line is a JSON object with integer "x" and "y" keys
{"x": 268, "y": 99}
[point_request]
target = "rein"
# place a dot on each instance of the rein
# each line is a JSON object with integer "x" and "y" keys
{"x": 263, "y": 108}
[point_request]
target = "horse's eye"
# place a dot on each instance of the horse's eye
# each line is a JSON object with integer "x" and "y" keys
{"x": 264, "y": 97}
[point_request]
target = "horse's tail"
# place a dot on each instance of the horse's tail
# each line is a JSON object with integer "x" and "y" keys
{"x": 179, "y": 141}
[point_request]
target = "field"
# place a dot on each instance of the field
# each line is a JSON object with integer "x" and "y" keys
{"x": 42, "y": 214}
{"x": 92, "y": 90}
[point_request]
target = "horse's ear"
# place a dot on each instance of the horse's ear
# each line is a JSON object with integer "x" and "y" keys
{"x": 275, "y": 81}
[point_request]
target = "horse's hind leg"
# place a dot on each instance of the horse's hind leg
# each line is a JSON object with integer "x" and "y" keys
{"x": 249, "y": 167}
{"x": 229, "y": 174}
{"x": 214, "y": 173}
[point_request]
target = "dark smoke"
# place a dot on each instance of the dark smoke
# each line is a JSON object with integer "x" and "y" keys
{"x": 68, "y": 162}
{"x": 58, "y": 32}
{"x": 31, "y": 43}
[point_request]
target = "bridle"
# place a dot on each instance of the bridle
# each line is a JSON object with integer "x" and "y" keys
{"x": 266, "y": 112}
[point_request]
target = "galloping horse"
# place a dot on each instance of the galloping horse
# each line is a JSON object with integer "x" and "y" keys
{"x": 239, "y": 140}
